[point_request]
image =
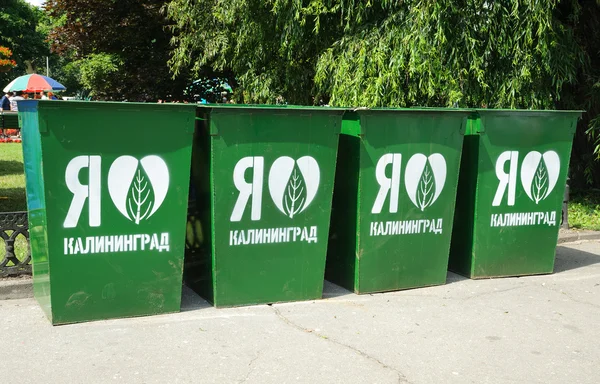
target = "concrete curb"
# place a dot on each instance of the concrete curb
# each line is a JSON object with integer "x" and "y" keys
{"x": 573, "y": 236}
{"x": 16, "y": 288}
{"x": 21, "y": 288}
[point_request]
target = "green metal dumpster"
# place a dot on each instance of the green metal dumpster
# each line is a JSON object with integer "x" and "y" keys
{"x": 394, "y": 197}
{"x": 9, "y": 120}
{"x": 107, "y": 188}
{"x": 263, "y": 179}
{"x": 511, "y": 188}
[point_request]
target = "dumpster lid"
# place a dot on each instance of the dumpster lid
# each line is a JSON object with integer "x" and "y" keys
{"x": 380, "y": 110}
{"x": 32, "y": 105}
{"x": 527, "y": 112}
{"x": 272, "y": 107}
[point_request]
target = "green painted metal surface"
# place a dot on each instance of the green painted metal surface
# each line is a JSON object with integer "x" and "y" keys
{"x": 266, "y": 219}
{"x": 9, "y": 120}
{"x": 36, "y": 204}
{"x": 394, "y": 197}
{"x": 107, "y": 188}
{"x": 511, "y": 188}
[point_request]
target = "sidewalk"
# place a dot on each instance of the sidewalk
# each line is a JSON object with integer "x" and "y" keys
{"x": 570, "y": 236}
{"x": 540, "y": 329}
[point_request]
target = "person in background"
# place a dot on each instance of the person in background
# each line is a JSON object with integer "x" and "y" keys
{"x": 5, "y": 102}
{"x": 13, "y": 101}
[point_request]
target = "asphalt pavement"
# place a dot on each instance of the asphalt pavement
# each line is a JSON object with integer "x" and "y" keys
{"x": 538, "y": 329}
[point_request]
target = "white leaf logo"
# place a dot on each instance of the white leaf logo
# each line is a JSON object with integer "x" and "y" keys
{"x": 424, "y": 179}
{"x": 138, "y": 188}
{"x": 293, "y": 184}
{"x": 539, "y": 174}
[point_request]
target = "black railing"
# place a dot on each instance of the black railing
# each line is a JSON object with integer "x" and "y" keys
{"x": 12, "y": 226}
{"x": 565, "y": 207}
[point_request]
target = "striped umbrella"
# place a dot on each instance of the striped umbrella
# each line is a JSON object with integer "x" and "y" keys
{"x": 34, "y": 83}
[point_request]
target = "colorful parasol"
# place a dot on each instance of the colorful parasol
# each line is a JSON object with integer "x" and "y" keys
{"x": 34, "y": 83}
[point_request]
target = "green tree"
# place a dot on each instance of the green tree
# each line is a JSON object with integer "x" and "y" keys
{"x": 508, "y": 54}
{"x": 585, "y": 92}
{"x": 383, "y": 53}
{"x": 18, "y": 21}
{"x": 473, "y": 53}
{"x": 121, "y": 47}
{"x": 61, "y": 67}
{"x": 267, "y": 54}
{"x": 97, "y": 71}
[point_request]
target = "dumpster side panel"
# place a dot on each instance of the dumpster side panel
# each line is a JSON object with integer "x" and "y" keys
{"x": 343, "y": 234}
{"x": 198, "y": 269}
{"x": 36, "y": 204}
{"x": 409, "y": 173}
{"x": 116, "y": 194}
{"x": 273, "y": 174}
{"x": 523, "y": 164}
{"x": 461, "y": 248}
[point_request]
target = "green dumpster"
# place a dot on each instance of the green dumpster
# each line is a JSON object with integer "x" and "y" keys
{"x": 511, "y": 188}
{"x": 394, "y": 198}
{"x": 107, "y": 198}
{"x": 263, "y": 183}
{"x": 9, "y": 120}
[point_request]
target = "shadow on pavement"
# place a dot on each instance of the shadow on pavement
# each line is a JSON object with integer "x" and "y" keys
{"x": 452, "y": 277}
{"x": 566, "y": 259}
{"x": 331, "y": 290}
{"x": 569, "y": 258}
{"x": 191, "y": 301}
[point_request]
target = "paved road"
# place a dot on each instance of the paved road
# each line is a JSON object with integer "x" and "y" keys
{"x": 542, "y": 329}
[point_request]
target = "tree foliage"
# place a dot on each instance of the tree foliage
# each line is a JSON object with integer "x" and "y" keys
{"x": 541, "y": 54}
{"x": 18, "y": 21}
{"x": 504, "y": 54}
{"x": 271, "y": 55}
{"x": 120, "y": 46}
{"x": 584, "y": 92}
{"x": 97, "y": 71}
{"x": 384, "y": 53}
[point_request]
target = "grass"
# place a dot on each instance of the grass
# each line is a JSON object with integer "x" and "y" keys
{"x": 584, "y": 210}
{"x": 12, "y": 190}
{"x": 12, "y": 178}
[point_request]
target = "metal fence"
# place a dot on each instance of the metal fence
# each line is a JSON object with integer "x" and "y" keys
{"x": 12, "y": 226}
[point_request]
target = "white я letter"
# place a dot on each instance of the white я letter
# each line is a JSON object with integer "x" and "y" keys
{"x": 246, "y": 189}
{"x": 82, "y": 192}
{"x": 388, "y": 185}
{"x": 506, "y": 179}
